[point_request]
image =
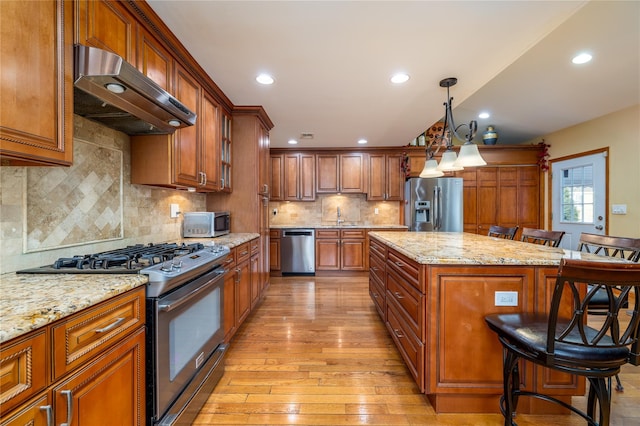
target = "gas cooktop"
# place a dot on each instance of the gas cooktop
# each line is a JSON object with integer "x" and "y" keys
{"x": 127, "y": 260}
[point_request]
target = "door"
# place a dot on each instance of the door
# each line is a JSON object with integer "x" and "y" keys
{"x": 578, "y": 197}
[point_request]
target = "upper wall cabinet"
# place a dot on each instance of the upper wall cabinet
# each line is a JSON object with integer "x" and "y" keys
{"x": 107, "y": 25}
{"x": 386, "y": 181}
{"x": 190, "y": 158}
{"x": 36, "y": 83}
{"x": 297, "y": 175}
{"x": 340, "y": 173}
{"x": 153, "y": 60}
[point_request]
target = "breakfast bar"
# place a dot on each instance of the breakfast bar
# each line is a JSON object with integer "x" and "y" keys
{"x": 433, "y": 290}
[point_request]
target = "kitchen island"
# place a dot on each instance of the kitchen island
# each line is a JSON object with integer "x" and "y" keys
{"x": 433, "y": 290}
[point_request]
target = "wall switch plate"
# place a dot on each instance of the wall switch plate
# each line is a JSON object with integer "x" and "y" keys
{"x": 619, "y": 209}
{"x": 506, "y": 298}
{"x": 275, "y": 212}
{"x": 175, "y": 210}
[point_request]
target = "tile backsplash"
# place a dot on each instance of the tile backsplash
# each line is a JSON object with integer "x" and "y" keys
{"x": 52, "y": 212}
{"x": 354, "y": 210}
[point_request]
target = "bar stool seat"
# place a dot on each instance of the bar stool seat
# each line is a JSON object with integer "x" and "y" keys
{"x": 562, "y": 341}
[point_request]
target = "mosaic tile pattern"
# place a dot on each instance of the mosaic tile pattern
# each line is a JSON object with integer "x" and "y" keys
{"x": 73, "y": 205}
{"x": 145, "y": 209}
{"x": 354, "y": 209}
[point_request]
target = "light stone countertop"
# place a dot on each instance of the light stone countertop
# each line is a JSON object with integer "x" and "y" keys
{"x": 335, "y": 226}
{"x": 457, "y": 248}
{"x": 31, "y": 301}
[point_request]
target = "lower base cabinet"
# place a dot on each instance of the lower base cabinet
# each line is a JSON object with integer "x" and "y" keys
{"x": 242, "y": 286}
{"x": 105, "y": 386}
{"x": 435, "y": 315}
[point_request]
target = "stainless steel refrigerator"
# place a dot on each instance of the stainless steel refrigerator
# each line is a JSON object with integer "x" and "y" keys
{"x": 433, "y": 204}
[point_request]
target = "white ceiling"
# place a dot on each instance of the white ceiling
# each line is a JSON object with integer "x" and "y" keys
{"x": 332, "y": 61}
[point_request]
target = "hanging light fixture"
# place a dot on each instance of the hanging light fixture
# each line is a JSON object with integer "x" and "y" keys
{"x": 469, "y": 154}
{"x": 430, "y": 166}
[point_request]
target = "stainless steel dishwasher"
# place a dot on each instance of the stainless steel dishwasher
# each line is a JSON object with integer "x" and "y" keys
{"x": 298, "y": 252}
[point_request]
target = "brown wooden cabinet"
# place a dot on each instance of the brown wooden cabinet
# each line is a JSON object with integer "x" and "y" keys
{"x": 116, "y": 379}
{"x": 242, "y": 285}
{"x": 154, "y": 60}
{"x": 435, "y": 315}
{"x": 226, "y": 181}
{"x": 274, "y": 250}
{"x": 97, "y": 354}
{"x": 340, "y": 173}
{"x": 249, "y": 207}
{"x": 506, "y": 196}
{"x": 107, "y": 25}
{"x": 299, "y": 177}
{"x": 190, "y": 157}
{"x": 37, "y": 83}
{"x": 341, "y": 250}
{"x": 386, "y": 181}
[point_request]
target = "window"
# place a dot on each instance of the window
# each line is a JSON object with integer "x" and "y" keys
{"x": 577, "y": 194}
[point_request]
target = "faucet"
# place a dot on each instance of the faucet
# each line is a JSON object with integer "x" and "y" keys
{"x": 339, "y": 216}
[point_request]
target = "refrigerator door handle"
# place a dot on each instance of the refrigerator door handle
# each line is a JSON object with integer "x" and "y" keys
{"x": 437, "y": 211}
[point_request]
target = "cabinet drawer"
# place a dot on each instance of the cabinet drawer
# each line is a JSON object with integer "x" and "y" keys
{"x": 353, "y": 233}
{"x": 32, "y": 414}
{"x": 409, "y": 300}
{"x": 274, "y": 233}
{"x": 85, "y": 334}
{"x": 411, "y": 349}
{"x": 378, "y": 249}
{"x": 243, "y": 251}
{"x": 255, "y": 245}
{"x": 376, "y": 291}
{"x": 23, "y": 365}
{"x": 377, "y": 268}
{"x": 406, "y": 268}
{"x": 328, "y": 233}
{"x": 230, "y": 261}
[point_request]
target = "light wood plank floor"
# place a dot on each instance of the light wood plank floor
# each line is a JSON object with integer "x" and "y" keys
{"x": 316, "y": 353}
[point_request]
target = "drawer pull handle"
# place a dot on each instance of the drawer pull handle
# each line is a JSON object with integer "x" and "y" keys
{"x": 400, "y": 264}
{"x": 69, "y": 396}
{"x": 111, "y": 326}
{"x": 374, "y": 268}
{"x": 243, "y": 253}
{"x": 398, "y": 333}
{"x": 398, "y": 295}
{"x": 49, "y": 410}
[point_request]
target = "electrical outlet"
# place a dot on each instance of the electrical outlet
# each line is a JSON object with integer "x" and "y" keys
{"x": 275, "y": 212}
{"x": 175, "y": 210}
{"x": 375, "y": 211}
{"x": 506, "y": 298}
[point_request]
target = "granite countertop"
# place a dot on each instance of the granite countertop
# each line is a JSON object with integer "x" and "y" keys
{"x": 335, "y": 226}
{"x": 31, "y": 301}
{"x": 453, "y": 248}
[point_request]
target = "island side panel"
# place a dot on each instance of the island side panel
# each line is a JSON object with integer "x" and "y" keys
{"x": 465, "y": 357}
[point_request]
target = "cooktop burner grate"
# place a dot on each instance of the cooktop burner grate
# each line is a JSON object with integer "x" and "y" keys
{"x": 127, "y": 260}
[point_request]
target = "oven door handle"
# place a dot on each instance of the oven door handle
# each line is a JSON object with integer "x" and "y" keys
{"x": 171, "y": 304}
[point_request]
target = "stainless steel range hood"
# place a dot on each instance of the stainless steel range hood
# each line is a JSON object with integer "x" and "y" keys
{"x": 111, "y": 91}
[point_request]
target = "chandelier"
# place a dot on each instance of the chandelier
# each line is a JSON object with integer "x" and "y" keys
{"x": 469, "y": 155}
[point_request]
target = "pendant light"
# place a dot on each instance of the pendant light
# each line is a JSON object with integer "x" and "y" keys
{"x": 469, "y": 154}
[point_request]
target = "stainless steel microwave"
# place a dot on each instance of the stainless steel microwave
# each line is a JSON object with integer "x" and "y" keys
{"x": 206, "y": 224}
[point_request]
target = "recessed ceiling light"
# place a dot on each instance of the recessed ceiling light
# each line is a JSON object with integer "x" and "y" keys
{"x": 582, "y": 58}
{"x": 484, "y": 114}
{"x": 400, "y": 78}
{"x": 292, "y": 142}
{"x": 264, "y": 79}
{"x": 362, "y": 141}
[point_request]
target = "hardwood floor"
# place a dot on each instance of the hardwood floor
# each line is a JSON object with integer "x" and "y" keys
{"x": 315, "y": 352}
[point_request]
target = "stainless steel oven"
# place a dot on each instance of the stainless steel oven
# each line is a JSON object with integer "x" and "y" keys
{"x": 186, "y": 348}
{"x": 185, "y": 332}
